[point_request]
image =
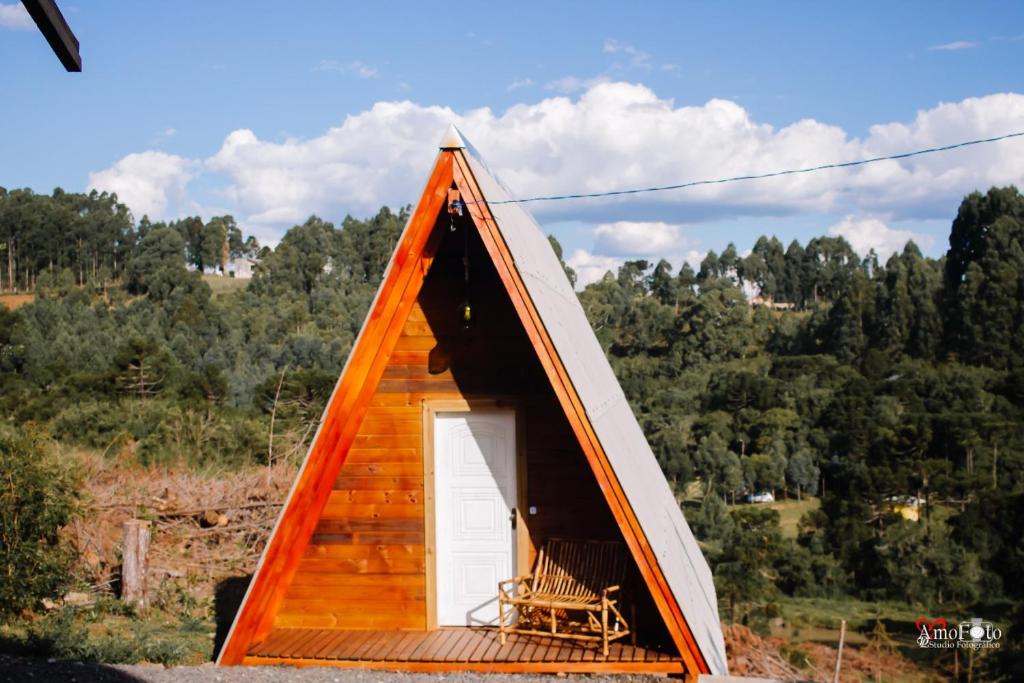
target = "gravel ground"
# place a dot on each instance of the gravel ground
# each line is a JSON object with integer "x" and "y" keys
{"x": 21, "y": 669}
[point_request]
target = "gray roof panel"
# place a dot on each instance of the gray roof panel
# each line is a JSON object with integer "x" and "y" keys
{"x": 621, "y": 437}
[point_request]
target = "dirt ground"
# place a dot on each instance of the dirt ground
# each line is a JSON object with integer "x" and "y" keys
{"x": 751, "y": 655}
{"x": 13, "y": 301}
{"x": 208, "y": 531}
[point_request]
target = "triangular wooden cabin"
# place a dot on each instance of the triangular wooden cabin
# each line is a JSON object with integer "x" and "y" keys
{"x": 451, "y": 451}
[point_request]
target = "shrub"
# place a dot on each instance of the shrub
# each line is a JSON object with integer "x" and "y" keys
{"x": 37, "y": 497}
{"x": 66, "y": 634}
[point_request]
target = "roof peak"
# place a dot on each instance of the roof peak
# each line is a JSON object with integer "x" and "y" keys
{"x": 452, "y": 138}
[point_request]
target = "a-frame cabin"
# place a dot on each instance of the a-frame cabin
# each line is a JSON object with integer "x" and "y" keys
{"x": 390, "y": 545}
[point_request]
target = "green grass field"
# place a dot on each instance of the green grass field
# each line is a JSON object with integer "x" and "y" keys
{"x": 223, "y": 285}
{"x": 820, "y": 617}
{"x": 790, "y": 512}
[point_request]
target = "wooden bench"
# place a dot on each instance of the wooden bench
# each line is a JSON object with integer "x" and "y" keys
{"x": 570, "y": 577}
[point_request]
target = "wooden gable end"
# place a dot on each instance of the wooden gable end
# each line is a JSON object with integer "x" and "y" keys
{"x": 369, "y": 562}
{"x": 350, "y": 549}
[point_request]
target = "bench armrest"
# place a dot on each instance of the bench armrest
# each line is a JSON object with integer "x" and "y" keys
{"x": 516, "y": 579}
{"x": 503, "y": 586}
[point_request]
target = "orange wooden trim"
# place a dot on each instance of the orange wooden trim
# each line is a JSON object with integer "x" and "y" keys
{"x": 409, "y": 266}
{"x": 675, "y": 667}
{"x": 571, "y": 404}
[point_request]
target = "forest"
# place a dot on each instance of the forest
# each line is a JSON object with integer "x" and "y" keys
{"x": 872, "y": 387}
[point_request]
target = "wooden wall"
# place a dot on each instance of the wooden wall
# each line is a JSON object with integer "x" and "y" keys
{"x": 365, "y": 566}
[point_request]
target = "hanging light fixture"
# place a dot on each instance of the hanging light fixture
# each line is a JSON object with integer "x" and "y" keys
{"x": 466, "y": 310}
{"x": 455, "y": 205}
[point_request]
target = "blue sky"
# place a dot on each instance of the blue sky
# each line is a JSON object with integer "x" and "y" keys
{"x": 273, "y": 111}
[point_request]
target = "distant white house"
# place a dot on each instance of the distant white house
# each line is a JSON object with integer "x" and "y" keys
{"x": 768, "y": 302}
{"x": 241, "y": 267}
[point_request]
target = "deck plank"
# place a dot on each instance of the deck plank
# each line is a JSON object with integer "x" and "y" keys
{"x": 437, "y": 646}
{"x": 389, "y": 653}
{"x": 466, "y": 642}
{"x": 492, "y": 652}
{"x": 376, "y": 638}
{"x": 277, "y": 642}
{"x": 475, "y": 640}
{"x": 532, "y": 642}
{"x": 311, "y": 645}
{"x": 406, "y": 644}
{"x": 514, "y": 653}
{"x": 472, "y": 642}
{"x": 483, "y": 643}
{"x": 395, "y": 643}
{"x": 302, "y": 644}
{"x": 577, "y": 654}
{"x": 543, "y": 645}
{"x": 292, "y": 642}
{"x": 565, "y": 653}
{"x": 557, "y": 645}
{"x": 295, "y": 647}
{"x": 353, "y": 644}
{"x": 332, "y": 646}
{"x": 449, "y": 646}
{"x": 382, "y": 645}
{"x": 418, "y": 654}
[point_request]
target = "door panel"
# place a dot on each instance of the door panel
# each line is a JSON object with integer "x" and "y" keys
{"x": 475, "y": 490}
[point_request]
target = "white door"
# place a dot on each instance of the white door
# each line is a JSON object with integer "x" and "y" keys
{"x": 475, "y": 492}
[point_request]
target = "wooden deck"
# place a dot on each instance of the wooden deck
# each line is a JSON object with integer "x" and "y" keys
{"x": 449, "y": 649}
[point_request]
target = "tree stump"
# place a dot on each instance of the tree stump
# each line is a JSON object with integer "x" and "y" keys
{"x": 133, "y": 562}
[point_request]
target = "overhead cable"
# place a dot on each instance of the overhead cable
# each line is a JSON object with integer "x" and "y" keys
{"x": 756, "y": 176}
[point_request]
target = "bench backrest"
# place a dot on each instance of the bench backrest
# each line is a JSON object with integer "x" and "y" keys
{"x": 579, "y": 569}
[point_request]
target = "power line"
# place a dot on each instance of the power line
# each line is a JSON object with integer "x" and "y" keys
{"x": 759, "y": 176}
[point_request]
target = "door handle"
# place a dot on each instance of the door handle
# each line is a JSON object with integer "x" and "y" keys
{"x": 514, "y": 518}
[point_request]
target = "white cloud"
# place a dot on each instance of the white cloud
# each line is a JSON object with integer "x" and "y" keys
{"x": 572, "y": 84}
{"x": 694, "y": 258}
{"x": 637, "y": 57}
{"x": 955, "y": 45}
{"x": 519, "y": 83}
{"x": 865, "y": 233}
{"x": 376, "y": 157}
{"x": 923, "y": 186}
{"x": 356, "y": 68}
{"x": 146, "y": 182}
{"x": 620, "y": 135}
{"x": 591, "y": 267}
{"x": 165, "y": 134}
{"x": 15, "y": 17}
{"x": 631, "y": 238}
